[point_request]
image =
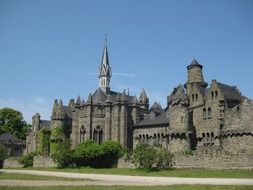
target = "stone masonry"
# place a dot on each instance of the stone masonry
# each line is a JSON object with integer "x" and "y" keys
{"x": 203, "y": 126}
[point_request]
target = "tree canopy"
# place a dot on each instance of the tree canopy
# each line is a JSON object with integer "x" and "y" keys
{"x": 12, "y": 121}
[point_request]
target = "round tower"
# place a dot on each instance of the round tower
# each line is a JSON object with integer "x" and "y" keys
{"x": 36, "y": 122}
{"x": 195, "y": 75}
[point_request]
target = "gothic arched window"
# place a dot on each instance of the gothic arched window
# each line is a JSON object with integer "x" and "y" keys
{"x": 98, "y": 135}
{"x": 82, "y": 134}
{"x": 204, "y": 113}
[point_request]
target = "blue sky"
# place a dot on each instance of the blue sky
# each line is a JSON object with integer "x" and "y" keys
{"x": 52, "y": 48}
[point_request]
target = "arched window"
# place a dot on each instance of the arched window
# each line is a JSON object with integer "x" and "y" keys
{"x": 216, "y": 94}
{"x": 182, "y": 119}
{"x": 98, "y": 135}
{"x": 82, "y": 134}
{"x": 196, "y": 97}
{"x": 204, "y": 113}
{"x": 212, "y": 136}
{"x": 208, "y": 137}
{"x": 209, "y": 113}
{"x": 193, "y": 97}
{"x": 212, "y": 94}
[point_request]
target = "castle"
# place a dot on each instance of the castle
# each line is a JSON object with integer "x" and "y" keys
{"x": 215, "y": 122}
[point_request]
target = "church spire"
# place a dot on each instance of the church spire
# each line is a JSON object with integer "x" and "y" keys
{"x": 105, "y": 72}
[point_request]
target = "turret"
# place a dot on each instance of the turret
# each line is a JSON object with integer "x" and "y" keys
{"x": 36, "y": 122}
{"x": 144, "y": 101}
{"x": 105, "y": 72}
{"x": 58, "y": 112}
{"x": 195, "y": 74}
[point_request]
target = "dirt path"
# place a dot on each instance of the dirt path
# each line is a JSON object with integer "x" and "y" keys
{"x": 104, "y": 179}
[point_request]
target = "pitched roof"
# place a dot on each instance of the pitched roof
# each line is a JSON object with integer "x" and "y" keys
{"x": 45, "y": 124}
{"x": 99, "y": 96}
{"x": 230, "y": 92}
{"x": 9, "y": 137}
{"x": 194, "y": 63}
{"x": 159, "y": 120}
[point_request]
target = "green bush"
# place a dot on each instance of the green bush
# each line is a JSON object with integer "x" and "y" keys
{"x": 27, "y": 160}
{"x": 111, "y": 152}
{"x": 164, "y": 158}
{"x": 63, "y": 155}
{"x": 148, "y": 157}
{"x": 105, "y": 155}
{"x": 3, "y": 154}
{"x": 144, "y": 156}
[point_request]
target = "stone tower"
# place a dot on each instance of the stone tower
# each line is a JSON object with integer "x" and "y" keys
{"x": 105, "y": 72}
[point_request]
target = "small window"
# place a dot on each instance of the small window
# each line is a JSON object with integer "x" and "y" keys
{"x": 212, "y": 94}
{"x": 204, "y": 113}
{"x": 209, "y": 113}
{"x": 182, "y": 119}
{"x": 193, "y": 97}
{"x": 216, "y": 94}
{"x": 196, "y": 97}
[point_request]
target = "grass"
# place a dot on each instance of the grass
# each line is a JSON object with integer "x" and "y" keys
{"x": 35, "y": 177}
{"x": 198, "y": 173}
{"x": 174, "y": 187}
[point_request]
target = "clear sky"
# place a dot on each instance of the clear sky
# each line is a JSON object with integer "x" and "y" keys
{"x": 52, "y": 48}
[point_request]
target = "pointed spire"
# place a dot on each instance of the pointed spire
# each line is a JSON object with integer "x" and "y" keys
{"x": 135, "y": 100}
{"x": 193, "y": 64}
{"x": 143, "y": 97}
{"x": 89, "y": 100}
{"x": 78, "y": 100}
{"x": 105, "y": 69}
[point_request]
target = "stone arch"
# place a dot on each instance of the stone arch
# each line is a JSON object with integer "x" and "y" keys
{"x": 82, "y": 134}
{"x": 204, "y": 113}
{"x": 209, "y": 113}
{"x": 98, "y": 135}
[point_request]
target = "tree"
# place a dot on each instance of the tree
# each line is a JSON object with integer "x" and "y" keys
{"x": 12, "y": 121}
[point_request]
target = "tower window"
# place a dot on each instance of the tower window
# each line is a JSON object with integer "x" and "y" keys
{"x": 204, "y": 113}
{"x": 196, "y": 97}
{"x": 216, "y": 94}
{"x": 193, "y": 97}
{"x": 212, "y": 94}
{"x": 209, "y": 113}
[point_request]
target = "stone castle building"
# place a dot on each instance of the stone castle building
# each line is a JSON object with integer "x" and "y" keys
{"x": 214, "y": 122}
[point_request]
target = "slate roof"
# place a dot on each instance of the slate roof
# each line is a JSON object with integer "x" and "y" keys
{"x": 8, "y": 137}
{"x": 100, "y": 96}
{"x": 45, "y": 124}
{"x": 159, "y": 120}
{"x": 230, "y": 92}
{"x": 194, "y": 63}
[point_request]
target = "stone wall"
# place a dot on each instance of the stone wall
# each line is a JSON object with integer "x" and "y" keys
{"x": 214, "y": 159}
{"x": 238, "y": 143}
{"x": 41, "y": 161}
{"x": 12, "y": 162}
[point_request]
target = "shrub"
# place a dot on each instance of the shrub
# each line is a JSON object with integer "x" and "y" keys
{"x": 63, "y": 155}
{"x": 3, "y": 154}
{"x": 144, "y": 156}
{"x": 148, "y": 157}
{"x": 27, "y": 160}
{"x": 164, "y": 158}
{"x": 111, "y": 152}
{"x": 87, "y": 153}
{"x": 105, "y": 155}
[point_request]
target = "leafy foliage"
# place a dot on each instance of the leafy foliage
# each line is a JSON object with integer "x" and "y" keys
{"x": 12, "y": 121}
{"x": 147, "y": 156}
{"x": 27, "y": 160}
{"x": 63, "y": 155}
{"x": 144, "y": 156}
{"x": 44, "y": 141}
{"x": 56, "y": 139}
{"x": 105, "y": 155}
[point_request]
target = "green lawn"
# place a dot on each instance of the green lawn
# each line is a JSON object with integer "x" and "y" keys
{"x": 175, "y": 187}
{"x": 35, "y": 177}
{"x": 199, "y": 173}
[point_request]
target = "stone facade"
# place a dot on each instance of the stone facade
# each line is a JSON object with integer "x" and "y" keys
{"x": 215, "y": 123}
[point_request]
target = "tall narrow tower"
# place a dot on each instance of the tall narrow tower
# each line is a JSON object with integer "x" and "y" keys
{"x": 105, "y": 72}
